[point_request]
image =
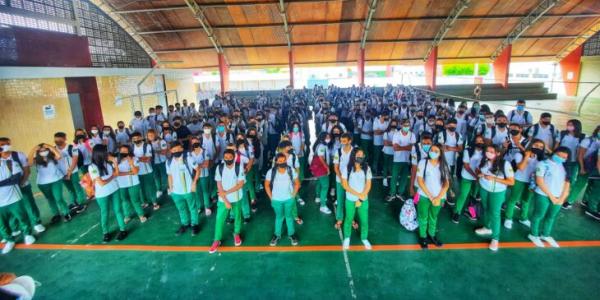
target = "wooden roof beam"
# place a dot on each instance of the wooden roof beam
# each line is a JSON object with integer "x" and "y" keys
{"x": 199, "y": 15}
{"x": 215, "y": 5}
{"x": 579, "y": 40}
{"x": 368, "y": 22}
{"x": 459, "y": 7}
{"x": 286, "y": 28}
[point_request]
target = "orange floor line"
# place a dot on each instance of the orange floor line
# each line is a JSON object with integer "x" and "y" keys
{"x": 315, "y": 248}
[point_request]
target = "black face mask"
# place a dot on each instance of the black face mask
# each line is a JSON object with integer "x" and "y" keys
{"x": 539, "y": 153}
{"x": 360, "y": 159}
{"x": 195, "y": 145}
{"x": 479, "y": 145}
{"x": 420, "y": 117}
{"x": 228, "y": 162}
{"x": 121, "y": 126}
{"x": 281, "y": 165}
{"x": 80, "y": 137}
{"x": 546, "y": 123}
{"x": 501, "y": 125}
{"x": 439, "y": 127}
{"x": 514, "y": 132}
{"x": 452, "y": 129}
{"x": 176, "y": 124}
{"x": 177, "y": 154}
{"x": 138, "y": 142}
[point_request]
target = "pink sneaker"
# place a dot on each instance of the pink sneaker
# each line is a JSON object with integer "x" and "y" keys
{"x": 237, "y": 240}
{"x": 214, "y": 247}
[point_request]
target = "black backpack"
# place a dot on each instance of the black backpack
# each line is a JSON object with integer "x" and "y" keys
{"x": 237, "y": 169}
{"x": 274, "y": 172}
{"x": 512, "y": 115}
{"x": 185, "y": 162}
{"x": 564, "y": 133}
{"x": 79, "y": 156}
{"x": 15, "y": 156}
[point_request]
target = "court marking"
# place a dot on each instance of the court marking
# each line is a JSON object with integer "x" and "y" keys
{"x": 308, "y": 248}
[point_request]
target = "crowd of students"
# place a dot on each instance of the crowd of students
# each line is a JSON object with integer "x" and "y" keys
{"x": 218, "y": 157}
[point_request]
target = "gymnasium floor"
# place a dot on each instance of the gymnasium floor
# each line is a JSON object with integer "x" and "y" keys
{"x": 70, "y": 261}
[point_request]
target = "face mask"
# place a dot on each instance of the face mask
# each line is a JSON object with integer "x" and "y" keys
{"x": 360, "y": 159}
{"x": 439, "y": 127}
{"x": 121, "y": 126}
{"x": 434, "y": 155}
{"x": 546, "y": 123}
{"x": 570, "y": 128}
{"x": 490, "y": 155}
{"x": 94, "y": 131}
{"x": 106, "y": 132}
{"x": 327, "y": 141}
{"x": 539, "y": 153}
{"x": 229, "y": 162}
{"x": 123, "y": 155}
{"x": 138, "y": 142}
{"x": 502, "y": 125}
{"x": 406, "y": 128}
{"x": 489, "y": 121}
{"x": 426, "y": 148}
{"x": 296, "y": 129}
{"x": 44, "y": 153}
{"x": 176, "y": 124}
{"x": 520, "y": 107}
{"x": 195, "y": 145}
{"x": 557, "y": 159}
{"x": 479, "y": 145}
{"x": 5, "y": 148}
{"x": 281, "y": 165}
{"x": 80, "y": 137}
{"x": 177, "y": 154}
{"x": 514, "y": 132}
{"x": 452, "y": 129}
{"x": 206, "y": 131}
{"x": 220, "y": 128}
{"x": 420, "y": 117}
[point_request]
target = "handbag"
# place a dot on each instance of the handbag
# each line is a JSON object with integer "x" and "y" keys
{"x": 317, "y": 168}
{"x": 408, "y": 216}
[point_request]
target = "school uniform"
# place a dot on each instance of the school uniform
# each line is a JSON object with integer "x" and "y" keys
{"x": 50, "y": 182}
{"x": 378, "y": 142}
{"x": 427, "y": 213}
{"x": 106, "y": 195}
{"x": 158, "y": 164}
{"x": 182, "y": 172}
{"x": 202, "y": 195}
{"x": 590, "y": 145}
{"x": 323, "y": 181}
{"x": 388, "y": 153}
{"x": 342, "y": 162}
{"x": 10, "y": 199}
{"x": 243, "y": 157}
{"x": 468, "y": 182}
{"x": 366, "y": 137}
{"x": 554, "y": 176}
{"x": 282, "y": 200}
{"x": 75, "y": 190}
{"x": 357, "y": 180}
{"x": 228, "y": 178}
{"x": 28, "y": 204}
{"x": 297, "y": 140}
{"x": 146, "y": 173}
{"x": 129, "y": 188}
{"x": 572, "y": 142}
{"x": 401, "y": 163}
{"x": 122, "y": 136}
{"x": 521, "y": 190}
{"x": 493, "y": 195}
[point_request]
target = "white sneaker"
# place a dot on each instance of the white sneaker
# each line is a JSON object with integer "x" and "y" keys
{"x": 536, "y": 241}
{"x": 301, "y": 202}
{"x": 508, "y": 224}
{"x": 483, "y": 231}
{"x": 317, "y": 200}
{"x": 494, "y": 245}
{"x": 390, "y": 198}
{"x": 367, "y": 244}
{"x": 331, "y": 192}
{"x": 551, "y": 241}
{"x": 3, "y": 241}
{"x": 526, "y": 223}
{"x": 29, "y": 239}
{"x": 39, "y": 228}
{"x": 346, "y": 244}
{"x": 325, "y": 210}
{"x": 158, "y": 194}
{"x": 385, "y": 182}
{"x": 16, "y": 233}
{"x": 208, "y": 212}
{"x": 8, "y": 247}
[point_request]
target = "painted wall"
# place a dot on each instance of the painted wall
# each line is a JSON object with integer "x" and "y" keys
{"x": 21, "y": 103}
{"x": 111, "y": 88}
{"x": 590, "y": 72}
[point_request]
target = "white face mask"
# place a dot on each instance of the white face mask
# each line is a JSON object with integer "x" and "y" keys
{"x": 44, "y": 153}
{"x": 94, "y": 131}
{"x": 6, "y": 148}
{"x": 106, "y": 132}
{"x": 207, "y": 131}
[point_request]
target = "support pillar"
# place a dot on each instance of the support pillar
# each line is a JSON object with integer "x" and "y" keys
{"x": 501, "y": 67}
{"x": 431, "y": 68}
{"x": 361, "y": 67}
{"x": 223, "y": 74}
{"x": 570, "y": 67}
{"x": 291, "y": 63}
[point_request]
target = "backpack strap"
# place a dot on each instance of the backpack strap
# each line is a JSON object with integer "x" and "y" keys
{"x": 15, "y": 156}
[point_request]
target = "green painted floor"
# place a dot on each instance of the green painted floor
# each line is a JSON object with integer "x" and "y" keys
{"x": 569, "y": 273}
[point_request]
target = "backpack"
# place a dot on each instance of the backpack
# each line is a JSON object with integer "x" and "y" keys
{"x": 408, "y": 216}
{"x": 564, "y": 133}
{"x": 79, "y": 158}
{"x": 512, "y": 115}
{"x": 590, "y": 162}
{"x": 145, "y": 148}
{"x": 237, "y": 169}
{"x": 474, "y": 208}
{"x": 274, "y": 172}
{"x": 185, "y": 162}
{"x": 15, "y": 156}
{"x": 536, "y": 129}
{"x": 445, "y": 137}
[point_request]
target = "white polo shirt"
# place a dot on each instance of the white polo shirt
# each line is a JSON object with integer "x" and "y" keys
{"x": 143, "y": 151}
{"x": 12, "y": 193}
{"x": 181, "y": 174}
{"x": 378, "y": 125}
{"x": 432, "y": 176}
{"x": 357, "y": 181}
{"x": 554, "y": 175}
{"x": 229, "y": 179}
{"x": 494, "y": 186}
{"x": 342, "y": 161}
{"x": 403, "y": 140}
{"x": 107, "y": 189}
{"x": 49, "y": 174}
{"x": 283, "y": 186}
{"x": 473, "y": 161}
{"x": 126, "y": 181}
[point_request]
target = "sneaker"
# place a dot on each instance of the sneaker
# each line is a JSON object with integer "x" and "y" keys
{"x": 39, "y": 228}
{"x": 68, "y": 217}
{"x": 294, "y": 239}
{"x": 213, "y": 248}
{"x": 494, "y": 245}
{"x": 455, "y": 218}
{"x": 508, "y": 224}
{"x": 423, "y": 243}
{"x": 144, "y": 205}
{"x": 207, "y": 212}
{"x": 181, "y": 230}
{"x": 106, "y": 238}
{"x": 122, "y": 235}
{"x": 143, "y": 219}
{"x": 536, "y": 241}
{"x": 469, "y": 216}
{"x": 3, "y": 241}
{"x": 317, "y": 200}
{"x": 195, "y": 230}
{"x": 518, "y": 206}
{"x": 451, "y": 201}
{"x": 434, "y": 240}
{"x": 156, "y": 207}
{"x": 367, "y": 244}
{"x": 246, "y": 220}
{"x": 385, "y": 182}
{"x": 346, "y": 244}
{"x": 584, "y": 204}
{"x": 274, "y": 241}
{"x": 389, "y": 198}
{"x": 525, "y": 223}
{"x": 594, "y": 215}
{"x": 301, "y": 202}
{"x": 229, "y": 220}
{"x": 331, "y": 192}
{"x": 551, "y": 241}
{"x": 29, "y": 239}
{"x": 126, "y": 220}
{"x": 72, "y": 207}
{"x": 399, "y": 197}
{"x": 8, "y": 247}
{"x": 299, "y": 221}
{"x": 483, "y": 231}
{"x": 237, "y": 240}
{"x": 55, "y": 219}
{"x": 325, "y": 210}
{"x": 567, "y": 205}
{"x": 16, "y": 233}
{"x": 158, "y": 194}
{"x": 80, "y": 208}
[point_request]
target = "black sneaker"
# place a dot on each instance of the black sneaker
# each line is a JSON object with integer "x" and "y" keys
{"x": 584, "y": 204}
{"x": 106, "y": 238}
{"x": 423, "y": 243}
{"x": 122, "y": 235}
{"x": 567, "y": 205}
{"x": 434, "y": 240}
{"x": 181, "y": 230}
{"x": 80, "y": 208}
{"x": 451, "y": 201}
{"x": 246, "y": 220}
{"x": 294, "y": 239}
{"x": 455, "y": 218}
{"x": 274, "y": 241}
{"x": 68, "y": 217}
{"x": 195, "y": 230}
{"x": 518, "y": 205}
{"x": 55, "y": 219}
{"x": 72, "y": 207}
{"x": 230, "y": 221}
{"x": 594, "y": 215}
{"x": 469, "y": 216}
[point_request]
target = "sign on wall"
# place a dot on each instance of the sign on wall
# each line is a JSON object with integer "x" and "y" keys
{"x": 49, "y": 111}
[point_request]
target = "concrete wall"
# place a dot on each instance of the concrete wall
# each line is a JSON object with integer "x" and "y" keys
{"x": 590, "y": 72}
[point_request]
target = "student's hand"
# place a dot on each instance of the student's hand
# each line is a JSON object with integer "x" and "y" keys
{"x": 582, "y": 171}
{"x": 436, "y": 201}
{"x": 489, "y": 177}
{"x": 193, "y": 187}
{"x": 505, "y": 144}
{"x": 222, "y": 194}
{"x": 227, "y": 205}
{"x": 554, "y": 200}
{"x": 68, "y": 175}
{"x": 528, "y": 154}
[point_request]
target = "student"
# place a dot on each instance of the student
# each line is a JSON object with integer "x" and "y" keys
{"x": 129, "y": 184}
{"x": 388, "y": 150}
{"x": 160, "y": 149}
{"x": 523, "y": 177}
{"x": 544, "y": 130}
{"x": 230, "y": 180}
{"x": 585, "y": 153}
{"x": 433, "y": 178}
{"x": 571, "y": 138}
{"x": 500, "y": 133}
{"x": 366, "y": 134}
{"x": 109, "y": 138}
{"x": 183, "y": 172}
{"x": 418, "y": 151}
{"x": 495, "y": 175}
{"x": 10, "y": 203}
{"x": 282, "y": 185}
{"x": 402, "y": 142}
{"x": 245, "y": 155}
{"x": 103, "y": 173}
{"x": 520, "y": 115}
{"x": 322, "y": 151}
{"x": 68, "y": 164}
{"x": 297, "y": 139}
{"x": 95, "y": 137}
{"x": 50, "y": 179}
{"x": 285, "y": 147}
{"x": 552, "y": 188}
{"x": 340, "y": 163}
{"x": 468, "y": 183}
{"x": 198, "y": 155}
{"x": 84, "y": 146}
{"x": 139, "y": 124}
{"x": 453, "y": 145}
{"x": 356, "y": 180}
{"x": 379, "y": 126}
{"x": 208, "y": 140}
{"x": 144, "y": 154}
{"x": 122, "y": 134}
{"x": 167, "y": 133}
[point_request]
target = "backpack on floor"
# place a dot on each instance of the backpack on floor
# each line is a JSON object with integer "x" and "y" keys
{"x": 474, "y": 209}
{"x": 408, "y": 216}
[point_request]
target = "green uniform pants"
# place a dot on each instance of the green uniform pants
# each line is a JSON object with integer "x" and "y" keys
{"x": 377, "y": 153}
{"x": 186, "y": 206}
{"x": 322, "y": 189}
{"x": 387, "y": 165}
{"x": 283, "y": 210}
{"x": 250, "y": 184}
{"x": 54, "y": 193}
{"x": 204, "y": 192}
{"x": 427, "y": 215}
{"x": 366, "y": 145}
{"x": 520, "y": 192}
{"x": 400, "y": 172}
{"x": 363, "y": 218}
{"x": 303, "y": 164}
{"x": 28, "y": 203}
{"x": 131, "y": 196}
{"x": 160, "y": 176}
{"x": 113, "y": 199}
{"x": 148, "y": 188}
{"x": 75, "y": 190}
{"x": 594, "y": 196}
{"x": 576, "y": 189}
{"x": 492, "y": 209}
{"x": 16, "y": 211}
{"x": 545, "y": 211}
{"x": 222, "y": 213}
{"x": 466, "y": 186}
{"x": 340, "y": 195}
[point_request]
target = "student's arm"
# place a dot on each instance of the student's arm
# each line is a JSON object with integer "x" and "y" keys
{"x": 423, "y": 187}
{"x": 580, "y": 156}
{"x": 296, "y": 187}
{"x": 134, "y": 169}
{"x": 196, "y": 177}
{"x": 249, "y": 165}
{"x": 56, "y": 153}
{"x": 170, "y": 179}
{"x": 223, "y": 195}
{"x": 365, "y": 193}
{"x": 525, "y": 161}
{"x": 539, "y": 180}
{"x": 565, "y": 192}
{"x": 413, "y": 173}
{"x": 31, "y": 156}
{"x": 267, "y": 186}
{"x": 347, "y": 187}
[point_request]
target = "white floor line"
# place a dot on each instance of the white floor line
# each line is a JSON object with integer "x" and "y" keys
{"x": 346, "y": 260}
{"x": 83, "y": 234}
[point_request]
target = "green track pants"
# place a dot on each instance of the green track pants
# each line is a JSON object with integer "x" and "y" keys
{"x": 54, "y": 193}
{"x": 363, "y": 218}
{"x": 492, "y": 209}
{"x": 283, "y": 210}
{"x": 545, "y": 211}
{"x": 222, "y": 213}
{"x": 519, "y": 192}
{"x": 113, "y": 199}
{"x": 427, "y": 216}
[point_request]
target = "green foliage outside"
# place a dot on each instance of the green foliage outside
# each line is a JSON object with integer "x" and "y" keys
{"x": 464, "y": 69}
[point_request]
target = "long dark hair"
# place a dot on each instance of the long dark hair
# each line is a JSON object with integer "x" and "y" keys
{"x": 444, "y": 168}
{"x": 100, "y": 158}
{"x": 352, "y": 161}
{"x": 321, "y": 140}
{"x": 498, "y": 165}
{"x": 40, "y": 161}
{"x": 577, "y": 125}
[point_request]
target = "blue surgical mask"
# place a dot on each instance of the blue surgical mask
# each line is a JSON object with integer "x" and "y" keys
{"x": 220, "y": 128}
{"x": 406, "y": 129}
{"x": 296, "y": 129}
{"x": 520, "y": 107}
{"x": 434, "y": 155}
{"x": 426, "y": 148}
{"x": 557, "y": 159}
